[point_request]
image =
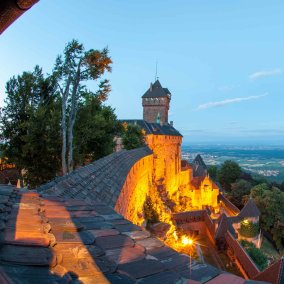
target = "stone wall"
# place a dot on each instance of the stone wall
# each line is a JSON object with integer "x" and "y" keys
{"x": 166, "y": 160}
{"x": 243, "y": 260}
{"x": 102, "y": 180}
{"x": 135, "y": 189}
{"x": 153, "y": 106}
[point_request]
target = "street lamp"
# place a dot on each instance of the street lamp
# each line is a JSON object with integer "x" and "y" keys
{"x": 188, "y": 242}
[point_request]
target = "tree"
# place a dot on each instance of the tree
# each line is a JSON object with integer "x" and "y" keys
{"x": 282, "y": 186}
{"x": 229, "y": 172}
{"x": 270, "y": 204}
{"x": 94, "y": 130}
{"x": 239, "y": 190}
{"x": 212, "y": 170}
{"x": 30, "y": 125}
{"x": 75, "y": 67}
{"x": 133, "y": 136}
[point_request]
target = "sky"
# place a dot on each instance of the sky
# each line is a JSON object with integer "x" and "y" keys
{"x": 221, "y": 60}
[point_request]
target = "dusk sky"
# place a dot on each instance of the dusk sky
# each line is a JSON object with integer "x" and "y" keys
{"x": 221, "y": 60}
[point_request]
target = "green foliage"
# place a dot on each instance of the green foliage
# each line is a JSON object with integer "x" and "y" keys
{"x": 72, "y": 69}
{"x": 212, "y": 170}
{"x": 30, "y": 126}
{"x": 150, "y": 213}
{"x": 229, "y": 172}
{"x": 259, "y": 258}
{"x": 270, "y": 203}
{"x": 239, "y": 190}
{"x": 94, "y": 131}
{"x": 132, "y": 137}
{"x": 249, "y": 229}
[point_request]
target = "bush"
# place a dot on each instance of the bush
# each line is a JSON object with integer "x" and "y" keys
{"x": 150, "y": 213}
{"x": 132, "y": 137}
{"x": 259, "y": 258}
{"x": 249, "y": 229}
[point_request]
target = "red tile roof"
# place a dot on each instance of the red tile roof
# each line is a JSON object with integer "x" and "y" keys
{"x": 249, "y": 210}
{"x": 273, "y": 274}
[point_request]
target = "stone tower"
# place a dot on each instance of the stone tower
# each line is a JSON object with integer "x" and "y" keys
{"x": 156, "y": 104}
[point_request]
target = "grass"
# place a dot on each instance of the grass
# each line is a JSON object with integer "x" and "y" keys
{"x": 269, "y": 249}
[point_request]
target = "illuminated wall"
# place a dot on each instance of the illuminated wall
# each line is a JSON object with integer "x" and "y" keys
{"x": 166, "y": 160}
{"x": 134, "y": 191}
{"x": 160, "y": 175}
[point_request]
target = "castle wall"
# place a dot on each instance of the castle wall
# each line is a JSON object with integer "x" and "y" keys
{"x": 166, "y": 160}
{"x": 153, "y": 106}
{"x": 136, "y": 186}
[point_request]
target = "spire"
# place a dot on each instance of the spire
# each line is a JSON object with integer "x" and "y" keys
{"x": 249, "y": 210}
{"x": 156, "y": 74}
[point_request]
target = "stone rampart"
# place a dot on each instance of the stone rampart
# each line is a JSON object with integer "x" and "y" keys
{"x": 102, "y": 180}
{"x": 135, "y": 189}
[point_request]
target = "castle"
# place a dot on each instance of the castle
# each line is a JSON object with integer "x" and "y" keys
{"x": 85, "y": 223}
{"x": 169, "y": 178}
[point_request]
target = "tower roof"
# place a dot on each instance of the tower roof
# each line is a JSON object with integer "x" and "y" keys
{"x": 157, "y": 91}
{"x": 199, "y": 167}
{"x": 249, "y": 210}
{"x": 154, "y": 128}
{"x": 224, "y": 224}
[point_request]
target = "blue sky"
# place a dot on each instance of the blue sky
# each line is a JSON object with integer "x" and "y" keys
{"x": 221, "y": 60}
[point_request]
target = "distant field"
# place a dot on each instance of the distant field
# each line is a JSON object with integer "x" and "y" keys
{"x": 258, "y": 160}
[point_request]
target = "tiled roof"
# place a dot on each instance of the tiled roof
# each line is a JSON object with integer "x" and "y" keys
{"x": 196, "y": 182}
{"x": 154, "y": 128}
{"x": 60, "y": 240}
{"x": 199, "y": 167}
{"x": 274, "y": 273}
{"x": 101, "y": 181}
{"x": 249, "y": 210}
{"x": 10, "y": 10}
{"x": 156, "y": 91}
{"x": 224, "y": 225}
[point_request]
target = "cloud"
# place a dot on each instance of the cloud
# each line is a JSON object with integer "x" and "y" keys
{"x": 265, "y": 73}
{"x": 229, "y": 101}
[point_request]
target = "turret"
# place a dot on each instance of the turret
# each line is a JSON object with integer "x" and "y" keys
{"x": 156, "y": 104}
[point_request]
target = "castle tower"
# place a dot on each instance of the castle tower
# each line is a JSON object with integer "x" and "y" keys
{"x": 156, "y": 104}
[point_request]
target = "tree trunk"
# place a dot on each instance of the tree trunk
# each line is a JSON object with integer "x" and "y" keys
{"x": 72, "y": 117}
{"x": 63, "y": 132}
{"x": 70, "y": 143}
{"x": 64, "y": 95}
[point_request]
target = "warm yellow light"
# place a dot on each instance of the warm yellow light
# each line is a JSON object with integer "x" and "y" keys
{"x": 246, "y": 222}
{"x": 175, "y": 235}
{"x": 186, "y": 241}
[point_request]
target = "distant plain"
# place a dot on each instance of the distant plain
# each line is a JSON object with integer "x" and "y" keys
{"x": 263, "y": 161}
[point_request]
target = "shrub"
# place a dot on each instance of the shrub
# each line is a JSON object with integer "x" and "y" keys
{"x": 249, "y": 229}
{"x": 150, "y": 213}
{"x": 259, "y": 258}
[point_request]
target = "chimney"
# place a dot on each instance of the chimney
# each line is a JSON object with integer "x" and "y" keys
{"x": 172, "y": 123}
{"x": 151, "y": 87}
